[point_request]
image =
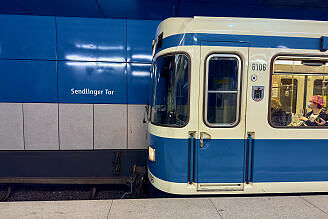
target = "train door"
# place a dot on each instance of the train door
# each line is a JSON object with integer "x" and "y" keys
{"x": 222, "y": 107}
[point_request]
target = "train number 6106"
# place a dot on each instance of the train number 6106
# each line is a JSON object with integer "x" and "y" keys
{"x": 259, "y": 67}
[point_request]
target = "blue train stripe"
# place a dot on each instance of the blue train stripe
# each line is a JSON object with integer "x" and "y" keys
{"x": 275, "y": 160}
{"x": 190, "y": 39}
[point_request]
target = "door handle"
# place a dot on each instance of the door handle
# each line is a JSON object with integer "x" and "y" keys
{"x": 249, "y": 157}
{"x": 203, "y": 136}
{"x": 191, "y": 156}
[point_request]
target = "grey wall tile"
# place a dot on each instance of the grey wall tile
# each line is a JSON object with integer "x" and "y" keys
{"x": 11, "y": 126}
{"x": 137, "y": 130}
{"x": 41, "y": 126}
{"x": 110, "y": 126}
{"x": 76, "y": 126}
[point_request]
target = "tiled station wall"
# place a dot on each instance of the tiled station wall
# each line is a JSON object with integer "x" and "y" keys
{"x": 42, "y": 58}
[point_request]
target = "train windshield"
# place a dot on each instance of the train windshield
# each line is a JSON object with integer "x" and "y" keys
{"x": 171, "y": 91}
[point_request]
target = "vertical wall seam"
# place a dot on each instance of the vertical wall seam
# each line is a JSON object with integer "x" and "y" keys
{"x": 127, "y": 83}
{"x": 177, "y": 8}
{"x": 93, "y": 125}
{"x": 56, "y": 29}
{"x": 256, "y": 8}
{"x": 20, "y": 5}
{"x": 58, "y": 126}
{"x": 127, "y": 107}
{"x": 24, "y": 144}
{"x": 58, "y": 108}
{"x": 126, "y": 40}
{"x": 101, "y": 11}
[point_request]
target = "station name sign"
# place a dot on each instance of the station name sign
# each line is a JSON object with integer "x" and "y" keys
{"x": 92, "y": 92}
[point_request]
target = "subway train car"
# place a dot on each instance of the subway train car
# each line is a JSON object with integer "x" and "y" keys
{"x": 72, "y": 98}
{"x": 229, "y": 111}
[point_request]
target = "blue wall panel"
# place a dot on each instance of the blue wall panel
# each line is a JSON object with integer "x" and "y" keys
{"x": 325, "y": 17}
{"x": 92, "y": 53}
{"x": 282, "y": 12}
{"x": 159, "y": 10}
{"x": 28, "y": 81}
{"x": 139, "y": 83}
{"x": 140, "y": 9}
{"x": 39, "y": 7}
{"x": 77, "y": 8}
{"x": 114, "y": 8}
{"x": 10, "y": 7}
{"x": 93, "y": 76}
{"x": 186, "y": 8}
{"x": 91, "y": 39}
{"x": 223, "y": 10}
{"x": 149, "y": 10}
{"x": 140, "y": 35}
{"x": 27, "y": 37}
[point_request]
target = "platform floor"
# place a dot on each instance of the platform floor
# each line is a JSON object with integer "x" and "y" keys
{"x": 309, "y": 206}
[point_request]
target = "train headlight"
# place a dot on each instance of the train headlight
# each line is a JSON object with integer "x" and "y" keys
{"x": 151, "y": 154}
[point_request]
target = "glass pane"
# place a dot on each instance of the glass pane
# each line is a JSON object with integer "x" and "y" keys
{"x": 288, "y": 93}
{"x": 299, "y": 97}
{"x": 298, "y": 66}
{"x": 223, "y": 74}
{"x": 317, "y": 87}
{"x": 320, "y": 86}
{"x": 170, "y": 93}
{"x": 221, "y": 108}
{"x": 283, "y": 99}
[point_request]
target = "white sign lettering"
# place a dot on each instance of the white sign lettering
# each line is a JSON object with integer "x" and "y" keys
{"x": 93, "y": 92}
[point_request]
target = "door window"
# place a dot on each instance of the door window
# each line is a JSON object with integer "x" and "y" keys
{"x": 222, "y": 90}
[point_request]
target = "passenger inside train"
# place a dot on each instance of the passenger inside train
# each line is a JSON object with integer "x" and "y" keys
{"x": 278, "y": 115}
{"x": 315, "y": 116}
{"x": 299, "y": 92}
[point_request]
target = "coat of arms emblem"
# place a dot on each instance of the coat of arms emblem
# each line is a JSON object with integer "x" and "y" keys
{"x": 257, "y": 93}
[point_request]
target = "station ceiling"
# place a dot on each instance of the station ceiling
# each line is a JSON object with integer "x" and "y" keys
{"x": 161, "y": 9}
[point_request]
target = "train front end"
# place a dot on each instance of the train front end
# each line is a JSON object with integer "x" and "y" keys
{"x": 171, "y": 119}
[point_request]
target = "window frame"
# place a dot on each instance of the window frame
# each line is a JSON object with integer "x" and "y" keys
{"x": 290, "y": 56}
{"x": 238, "y": 92}
{"x": 189, "y": 79}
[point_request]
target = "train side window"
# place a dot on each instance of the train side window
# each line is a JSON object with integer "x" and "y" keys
{"x": 222, "y": 87}
{"x": 299, "y": 90}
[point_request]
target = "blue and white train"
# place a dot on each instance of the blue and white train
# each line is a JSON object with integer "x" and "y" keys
{"x": 227, "y": 100}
